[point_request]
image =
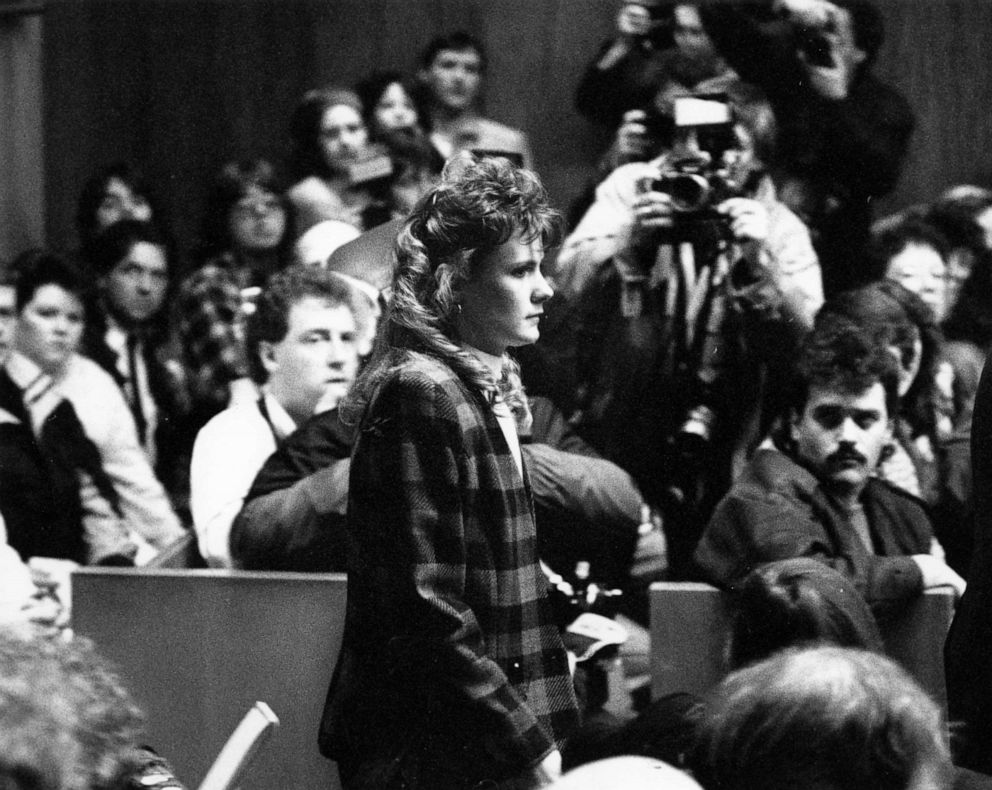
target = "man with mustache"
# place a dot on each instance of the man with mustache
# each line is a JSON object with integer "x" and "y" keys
{"x": 811, "y": 490}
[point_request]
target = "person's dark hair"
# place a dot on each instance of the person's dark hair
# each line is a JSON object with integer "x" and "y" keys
{"x": 37, "y": 268}
{"x": 110, "y": 247}
{"x": 971, "y": 315}
{"x": 797, "y": 602}
{"x": 68, "y": 693}
{"x": 371, "y": 88}
{"x": 232, "y": 183}
{"x": 478, "y": 205}
{"x": 306, "y": 157}
{"x": 820, "y": 717}
{"x": 456, "y": 41}
{"x": 95, "y": 188}
{"x": 893, "y": 239}
{"x": 754, "y": 112}
{"x": 897, "y": 317}
{"x": 270, "y": 320}
{"x": 868, "y": 25}
{"x": 841, "y": 354}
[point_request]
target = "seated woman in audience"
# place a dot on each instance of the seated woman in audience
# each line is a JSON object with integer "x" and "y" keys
{"x": 127, "y": 334}
{"x": 828, "y": 717}
{"x": 913, "y": 253}
{"x": 396, "y": 120}
{"x": 115, "y": 192}
{"x": 246, "y": 233}
{"x": 80, "y": 418}
{"x": 963, "y": 215}
{"x": 338, "y": 175}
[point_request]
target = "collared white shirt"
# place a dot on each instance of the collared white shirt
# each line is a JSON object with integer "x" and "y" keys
{"x": 505, "y": 418}
{"x": 137, "y": 381}
{"x": 228, "y": 453}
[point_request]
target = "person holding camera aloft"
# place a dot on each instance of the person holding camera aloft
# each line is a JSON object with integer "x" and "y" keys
{"x": 843, "y": 134}
{"x": 679, "y": 262}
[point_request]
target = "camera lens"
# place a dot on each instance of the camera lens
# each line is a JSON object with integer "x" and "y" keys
{"x": 689, "y": 192}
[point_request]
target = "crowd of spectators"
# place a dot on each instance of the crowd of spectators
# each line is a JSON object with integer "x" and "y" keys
{"x": 743, "y": 377}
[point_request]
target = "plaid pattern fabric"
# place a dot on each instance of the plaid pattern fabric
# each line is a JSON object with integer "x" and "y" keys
{"x": 210, "y": 330}
{"x": 451, "y": 661}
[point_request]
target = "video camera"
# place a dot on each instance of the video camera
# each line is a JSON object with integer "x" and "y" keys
{"x": 698, "y": 179}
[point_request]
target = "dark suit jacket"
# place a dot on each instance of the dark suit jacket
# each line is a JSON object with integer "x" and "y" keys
{"x": 777, "y": 510}
{"x": 451, "y": 669}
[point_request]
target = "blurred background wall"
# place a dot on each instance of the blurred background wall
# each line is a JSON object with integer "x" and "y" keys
{"x": 179, "y": 86}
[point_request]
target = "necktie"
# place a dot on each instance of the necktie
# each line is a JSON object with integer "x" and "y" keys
{"x": 136, "y": 409}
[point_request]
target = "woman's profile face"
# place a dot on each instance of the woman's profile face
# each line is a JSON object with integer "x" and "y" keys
{"x": 502, "y": 303}
{"x": 49, "y": 327}
{"x": 342, "y": 137}
{"x": 257, "y": 221}
{"x": 395, "y": 109}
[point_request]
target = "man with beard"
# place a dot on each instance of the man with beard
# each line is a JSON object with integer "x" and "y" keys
{"x": 810, "y": 492}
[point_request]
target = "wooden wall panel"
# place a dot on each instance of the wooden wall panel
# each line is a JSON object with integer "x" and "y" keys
{"x": 179, "y": 86}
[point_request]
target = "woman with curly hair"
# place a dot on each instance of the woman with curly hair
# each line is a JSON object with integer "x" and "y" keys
{"x": 338, "y": 175}
{"x": 452, "y": 671}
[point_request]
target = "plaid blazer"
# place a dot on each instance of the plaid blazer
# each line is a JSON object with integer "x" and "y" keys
{"x": 451, "y": 670}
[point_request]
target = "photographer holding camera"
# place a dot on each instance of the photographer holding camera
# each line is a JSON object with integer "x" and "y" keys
{"x": 683, "y": 273}
{"x": 843, "y": 134}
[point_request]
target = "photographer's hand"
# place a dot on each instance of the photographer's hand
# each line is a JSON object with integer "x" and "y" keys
{"x": 634, "y": 21}
{"x": 632, "y": 136}
{"x": 652, "y": 211}
{"x": 748, "y": 222}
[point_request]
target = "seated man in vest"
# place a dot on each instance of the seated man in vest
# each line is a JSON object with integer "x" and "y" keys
{"x": 811, "y": 492}
{"x": 302, "y": 342}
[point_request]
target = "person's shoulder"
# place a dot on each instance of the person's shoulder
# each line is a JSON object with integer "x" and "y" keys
{"x": 310, "y": 187}
{"x": 896, "y": 497}
{"x": 773, "y": 475}
{"x": 233, "y": 424}
{"x": 494, "y": 134}
{"x": 422, "y": 373}
{"x": 82, "y": 373}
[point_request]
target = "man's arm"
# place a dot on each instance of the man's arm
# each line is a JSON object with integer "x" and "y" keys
{"x": 746, "y": 531}
{"x": 298, "y": 528}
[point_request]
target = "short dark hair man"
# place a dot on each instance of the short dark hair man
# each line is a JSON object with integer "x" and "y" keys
{"x": 813, "y": 494}
{"x": 302, "y": 344}
{"x": 452, "y": 70}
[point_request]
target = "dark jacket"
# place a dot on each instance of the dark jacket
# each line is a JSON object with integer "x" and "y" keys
{"x": 968, "y": 651}
{"x": 451, "y": 670}
{"x": 777, "y": 510}
{"x": 293, "y": 518}
{"x": 836, "y": 156}
{"x": 39, "y": 483}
